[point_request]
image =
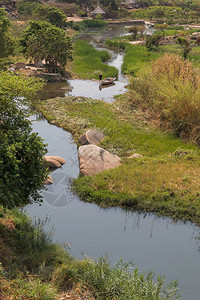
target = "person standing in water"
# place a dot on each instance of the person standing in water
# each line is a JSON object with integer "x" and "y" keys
{"x": 100, "y": 77}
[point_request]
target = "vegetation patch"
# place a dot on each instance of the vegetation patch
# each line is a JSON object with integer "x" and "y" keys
{"x": 35, "y": 268}
{"x": 89, "y": 63}
{"x": 135, "y": 56}
{"x": 165, "y": 180}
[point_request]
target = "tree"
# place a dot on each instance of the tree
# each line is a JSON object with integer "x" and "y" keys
{"x": 185, "y": 45}
{"x": 21, "y": 151}
{"x": 162, "y": 28}
{"x": 42, "y": 40}
{"x": 51, "y": 14}
{"x": 152, "y": 42}
{"x": 141, "y": 30}
{"x": 134, "y": 31}
{"x": 6, "y": 40}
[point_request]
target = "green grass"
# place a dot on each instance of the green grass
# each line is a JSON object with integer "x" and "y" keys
{"x": 24, "y": 274}
{"x": 165, "y": 180}
{"x": 89, "y": 63}
{"x": 136, "y": 57}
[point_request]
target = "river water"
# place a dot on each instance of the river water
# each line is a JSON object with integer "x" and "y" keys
{"x": 153, "y": 243}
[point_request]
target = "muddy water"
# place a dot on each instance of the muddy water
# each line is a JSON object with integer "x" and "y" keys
{"x": 153, "y": 243}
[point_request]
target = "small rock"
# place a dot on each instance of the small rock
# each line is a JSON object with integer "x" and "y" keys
{"x": 48, "y": 181}
{"x": 91, "y": 137}
{"x": 54, "y": 161}
{"x": 135, "y": 155}
{"x": 11, "y": 69}
{"x": 94, "y": 159}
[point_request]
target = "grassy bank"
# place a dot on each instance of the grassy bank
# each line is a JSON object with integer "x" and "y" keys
{"x": 88, "y": 62}
{"x": 165, "y": 180}
{"x": 136, "y": 56}
{"x": 32, "y": 267}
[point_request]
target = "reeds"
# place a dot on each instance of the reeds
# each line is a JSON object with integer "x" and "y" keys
{"x": 169, "y": 88}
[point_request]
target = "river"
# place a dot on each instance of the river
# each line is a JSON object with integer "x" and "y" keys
{"x": 153, "y": 243}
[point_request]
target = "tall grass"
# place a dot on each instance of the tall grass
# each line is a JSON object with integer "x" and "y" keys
{"x": 89, "y": 62}
{"x": 170, "y": 89}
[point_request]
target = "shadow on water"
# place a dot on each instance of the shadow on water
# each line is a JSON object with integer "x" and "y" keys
{"x": 154, "y": 243}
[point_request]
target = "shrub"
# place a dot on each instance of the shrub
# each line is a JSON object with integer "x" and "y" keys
{"x": 170, "y": 88}
{"x": 94, "y": 23}
{"x": 152, "y": 42}
{"x": 115, "y": 44}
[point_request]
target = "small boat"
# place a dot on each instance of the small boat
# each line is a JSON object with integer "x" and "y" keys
{"x": 108, "y": 80}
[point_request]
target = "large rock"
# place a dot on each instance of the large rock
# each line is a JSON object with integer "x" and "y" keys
{"x": 94, "y": 159}
{"x": 91, "y": 137}
{"x": 54, "y": 161}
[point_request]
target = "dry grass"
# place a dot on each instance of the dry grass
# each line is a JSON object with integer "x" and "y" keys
{"x": 170, "y": 89}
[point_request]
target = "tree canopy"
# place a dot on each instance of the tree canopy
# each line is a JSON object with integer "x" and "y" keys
{"x": 6, "y": 40}
{"x": 51, "y": 14}
{"x": 42, "y": 40}
{"x": 21, "y": 151}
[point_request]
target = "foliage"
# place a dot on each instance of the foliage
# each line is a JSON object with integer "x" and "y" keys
{"x": 94, "y": 23}
{"x": 41, "y": 40}
{"x": 41, "y": 273}
{"x": 88, "y": 62}
{"x": 185, "y": 45}
{"x": 21, "y": 152}
{"x": 134, "y": 31}
{"x": 51, "y": 14}
{"x": 7, "y": 42}
{"x": 152, "y": 42}
{"x": 166, "y": 13}
{"x": 27, "y": 8}
{"x": 115, "y": 44}
{"x": 161, "y": 27}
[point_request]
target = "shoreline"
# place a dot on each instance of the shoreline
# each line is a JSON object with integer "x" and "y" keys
{"x": 109, "y": 188}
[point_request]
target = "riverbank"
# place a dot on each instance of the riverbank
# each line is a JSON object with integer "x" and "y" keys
{"x": 32, "y": 267}
{"x": 164, "y": 180}
{"x": 88, "y": 62}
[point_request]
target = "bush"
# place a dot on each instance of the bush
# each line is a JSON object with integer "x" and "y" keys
{"x": 115, "y": 44}
{"x": 94, "y": 23}
{"x": 152, "y": 42}
{"x": 170, "y": 88}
